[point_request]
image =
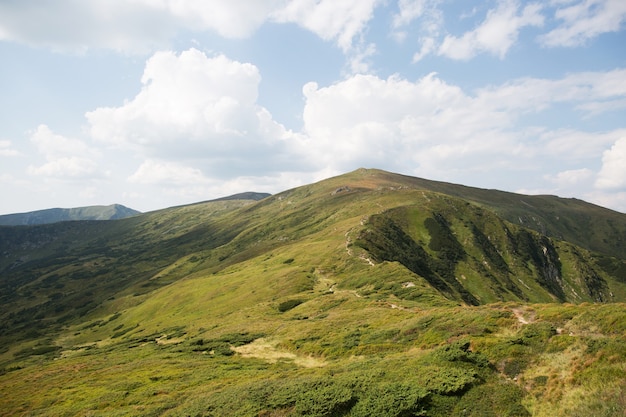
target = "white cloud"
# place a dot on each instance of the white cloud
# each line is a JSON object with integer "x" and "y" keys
{"x": 612, "y": 176}
{"x": 338, "y": 20}
{"x": 435, "y": 129}
{"x": 186, "y": 97}
{"x": 172, "y": 183}
{"x": 72, "y": 167}
{"x": 408, "y": 11}
{"x": 428, "y": 47}
{"x": 496, "y": 35}
{"x": 593, "y": 108}
{"x": 583, "y": 89}
{"x": 139, "y": 26}
{"x": 167, "y": 173}
{"x": 201, "y": 110}
{"x": 53, "y": 145}
{"x": 368, "y": 121}
{"x": 6, "y": 148}
{"x": 585, "y": 20}
{"x": 429, "y": 24}
{"x": 574, "y": 145}
{"x": 66, "y": 158}
{"x": 571, "y": 178}
{"x": 359, "y": 59}
{"x": 229, "y": 18}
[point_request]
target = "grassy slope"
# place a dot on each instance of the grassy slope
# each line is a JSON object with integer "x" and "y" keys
{"x": 587, "y": 225}
{"x": 114, "y": 211}
{"x": 309, "y": 310}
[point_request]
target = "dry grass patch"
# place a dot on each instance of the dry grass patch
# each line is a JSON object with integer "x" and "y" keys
{"x": 266, "y": 349}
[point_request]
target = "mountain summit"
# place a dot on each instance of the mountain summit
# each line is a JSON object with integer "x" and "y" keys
{"x": 370, "y": 293}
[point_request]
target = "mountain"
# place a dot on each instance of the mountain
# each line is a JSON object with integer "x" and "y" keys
{"x": 54, "y": 215}
{"x": 249, "y": 195}
{"x": 370, "y": 293}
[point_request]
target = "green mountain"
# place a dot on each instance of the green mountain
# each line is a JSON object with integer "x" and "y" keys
{"x": 54, "y": 215}
{"x": 370, "y": 293}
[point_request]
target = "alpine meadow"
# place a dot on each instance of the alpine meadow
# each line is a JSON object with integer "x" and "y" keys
{"x": 366, "y": 294}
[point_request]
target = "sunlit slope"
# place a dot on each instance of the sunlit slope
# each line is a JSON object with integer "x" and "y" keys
{"x": 54, "y": 274}
{"x": 356, "y": 295}
{"x": 469, "y": 254}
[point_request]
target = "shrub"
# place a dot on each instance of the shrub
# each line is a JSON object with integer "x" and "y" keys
{"x": 289, "y": 304}
{"x": 392, "y": 400}
{"x": 325, "y": 400}
{"x": 492, "y": 400}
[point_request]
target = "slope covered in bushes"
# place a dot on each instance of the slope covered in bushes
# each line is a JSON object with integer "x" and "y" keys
{"x": 362, "y": 293}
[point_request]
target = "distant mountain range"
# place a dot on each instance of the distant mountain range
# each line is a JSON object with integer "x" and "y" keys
{"x": 55, "y": 215}
{"x": 110, "y": 212}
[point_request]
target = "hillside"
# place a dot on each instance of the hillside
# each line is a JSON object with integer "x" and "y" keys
{"x": 54, "y": 215}
{"x": 370, "y": 293}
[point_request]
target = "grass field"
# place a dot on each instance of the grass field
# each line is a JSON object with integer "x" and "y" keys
{"x": 360, "y": 295}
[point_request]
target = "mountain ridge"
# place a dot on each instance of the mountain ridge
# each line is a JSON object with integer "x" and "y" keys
{"x": 54, "y": 215}
{"x": 538, "y": 212}
{"x": 335, "y": 290}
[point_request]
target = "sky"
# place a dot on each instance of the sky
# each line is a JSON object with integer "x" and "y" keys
{"x": 157, "y": 103}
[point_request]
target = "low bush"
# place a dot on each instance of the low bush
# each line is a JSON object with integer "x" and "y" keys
{"x": 496, "y": 399}
{"x": 289, "y": 304}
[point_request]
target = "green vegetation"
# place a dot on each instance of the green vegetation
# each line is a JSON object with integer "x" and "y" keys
{"x": 114, "y": 211}
{"x": 366, "y": 294}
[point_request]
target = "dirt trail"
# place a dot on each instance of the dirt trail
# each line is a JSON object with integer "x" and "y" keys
{"x": 524, "y": 316}
{"x": 361, "y": 256}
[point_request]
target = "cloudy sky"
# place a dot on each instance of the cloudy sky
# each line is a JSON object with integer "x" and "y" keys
{"x": 155, "y": 103}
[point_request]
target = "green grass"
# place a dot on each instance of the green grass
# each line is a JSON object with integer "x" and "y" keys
{"x": 431, "y": 364}
{"x": 363, "y": 293}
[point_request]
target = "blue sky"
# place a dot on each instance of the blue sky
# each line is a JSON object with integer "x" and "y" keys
{"x": 155, "y": 103}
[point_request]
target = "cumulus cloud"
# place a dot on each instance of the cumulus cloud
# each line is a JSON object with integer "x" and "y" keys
{"x": 185, "y": 97}
{"x": 496, "y": 35}
{"x": 584, "y": 20}
{"x": 53, "y": 145}
{"x": 66, "y": 158}
{"x": 337, "y": 20}
{"x": 6, "y": 148}
{"x": 432, "y": 128}
{"x": 369, "y": 121}
{"x": 613, "y": 173}
{"x": 167, "y": 173}
{"x": 66, "y": 168}
{"x": 199, "y": 109}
